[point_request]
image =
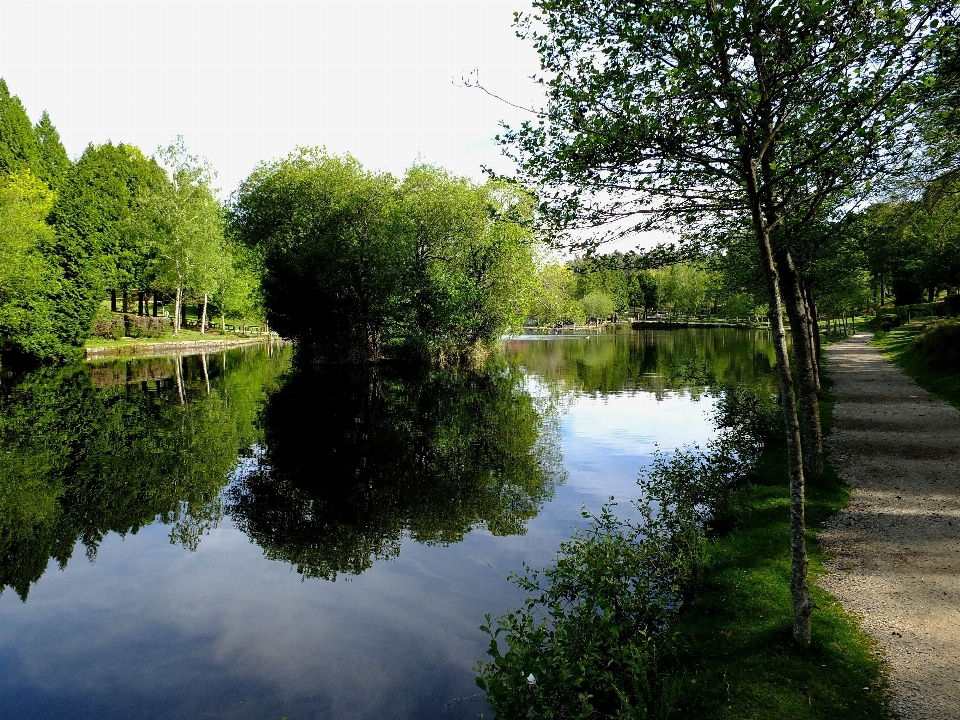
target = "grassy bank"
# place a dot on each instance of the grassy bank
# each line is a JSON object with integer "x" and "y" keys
{"x": 184, "y": 335}
{"x": 898, "y": 346}
{"x": 734, "y": 655}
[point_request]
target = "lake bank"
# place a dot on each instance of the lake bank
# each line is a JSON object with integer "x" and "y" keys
{"x": 161, "y": 346}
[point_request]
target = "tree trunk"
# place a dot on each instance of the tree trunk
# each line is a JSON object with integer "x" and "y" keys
{"x": 881, "y": 289}
{"x": 799, "y": 591}
{"x": 206, "y": 374}
{"x": 126, "y": 301}
{"x": 815, "y": 325}
{"x": 203, "y": 316}
{"x": 223, "y": 321}
{"x": 113, "y": 299}
{"x": 154, "y": 298}
{"x": 140, "y": 301}
{"x": 806, "y": 368}
{"x": 177, "y": 300}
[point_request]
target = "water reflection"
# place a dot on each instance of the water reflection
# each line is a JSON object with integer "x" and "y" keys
{"x": 646, "y": 360}
{"x": 113, "y": 447}
{"x": 355, "y": 459}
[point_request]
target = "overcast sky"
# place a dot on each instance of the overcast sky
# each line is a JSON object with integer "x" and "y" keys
{"x": 248, "y": 81}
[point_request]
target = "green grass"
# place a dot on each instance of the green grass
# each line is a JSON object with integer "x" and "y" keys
{"x": 185, "y": 335}
{"x": 897, "y": 346}
{"x": 735, "y": 655}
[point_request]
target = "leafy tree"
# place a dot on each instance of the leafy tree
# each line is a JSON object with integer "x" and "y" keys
{"x": 332, "y": 267}
{"x": 553, "y": 300}
{"x": 99, "y": 241}
{"x": 29, "y": 282}
{"x": 675, "y": 111}
{"x": 188, "y": 226}
{"x": 598, "y": 306}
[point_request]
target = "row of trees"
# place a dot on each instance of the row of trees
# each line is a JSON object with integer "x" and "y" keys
{"x": 358, "y": 264}
{"x": 114, "y": 219}
{"x": 756, "y": 127}
{"x": 611, "y": 286}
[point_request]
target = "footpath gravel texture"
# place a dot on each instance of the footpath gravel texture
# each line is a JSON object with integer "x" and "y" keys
{"x": 896, "y": 547}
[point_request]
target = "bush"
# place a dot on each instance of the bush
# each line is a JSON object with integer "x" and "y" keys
{"x": 940, "y": 344}
{"x": 890, "y": 321}
{"x": 144, "y": 326}
{"x": 592, "y": 635}
{"x": 951, "y": 305}
{"x": 107, "y": 325}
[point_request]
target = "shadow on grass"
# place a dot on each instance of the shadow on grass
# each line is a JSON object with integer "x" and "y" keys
{"x": 735, "y": 656}
{"x": 898, "y": 347}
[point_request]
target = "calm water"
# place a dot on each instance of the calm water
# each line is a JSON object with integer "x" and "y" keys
{"x": 220, "y": 537}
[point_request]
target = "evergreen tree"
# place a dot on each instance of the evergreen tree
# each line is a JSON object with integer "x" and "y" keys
{"x": 18, "y": 141}
{"x": 53, "y": 162}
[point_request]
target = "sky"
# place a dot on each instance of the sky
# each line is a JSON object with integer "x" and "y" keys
{"x": 245, "y": 82}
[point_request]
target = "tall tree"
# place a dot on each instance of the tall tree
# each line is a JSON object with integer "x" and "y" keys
{"x": 673, "y": 111}
{"x": 29, "y": 281}
{"x": 189, "y": 225}
{"x": 18, "y": 141}
{"x": 53, "y": 161}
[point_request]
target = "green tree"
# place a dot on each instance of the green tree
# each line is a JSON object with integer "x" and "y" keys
{"x": 188, "y": 229}
{"x": 598, "y": 306}
{"x": 673, "y": 111}
{"x": 553, "y": 300}
{"x": 53, "y": 162}
{"x": 18, "y": 141}
{"x": 29, "y": 282}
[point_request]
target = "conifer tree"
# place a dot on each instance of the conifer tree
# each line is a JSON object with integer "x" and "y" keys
{"x": 18, "y": 141}
{"x": 53, "y": 162}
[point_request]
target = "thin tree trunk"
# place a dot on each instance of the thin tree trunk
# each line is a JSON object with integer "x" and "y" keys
{"x": 139, "y": 303}
{"x": 223, "y": 321}
{"x": 806, "y": 368}
{"x": 113, "y": 299}
{"x": 177, "y": 300}
{"x": 126, "y": 301}
{"x": 153, "y": 296}
{"x": 799, "y": 590}
{"x": 881, "y": 289}
{"x": 178, "y": 374}
{"x": 815, "y": 324}
{"x": 203, "y": 316}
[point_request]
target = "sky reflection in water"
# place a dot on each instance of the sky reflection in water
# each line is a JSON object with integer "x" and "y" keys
{"x": 152, "y": 630}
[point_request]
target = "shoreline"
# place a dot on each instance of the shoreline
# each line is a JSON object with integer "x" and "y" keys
{"x": 179, "y": 347}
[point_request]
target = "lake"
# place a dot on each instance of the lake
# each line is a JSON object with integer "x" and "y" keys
{"x": 221, "y": 536}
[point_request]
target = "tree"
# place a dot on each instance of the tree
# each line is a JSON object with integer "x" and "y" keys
{"x": 18, "y": 141}
{"x": 100, "y": 241}
{"x": 188, "y": 224}
{"x": 553, "y": 300}
{"x": 53, "y": 161}
{"x": 670, "y": 111}
{"x": 29, "y": 281}
{"x": 598, "y": 306}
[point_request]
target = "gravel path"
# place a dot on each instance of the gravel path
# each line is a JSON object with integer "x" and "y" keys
{"x": 896, "y": 546}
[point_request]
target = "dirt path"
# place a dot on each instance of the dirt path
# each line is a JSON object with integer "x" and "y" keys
{"x": 897, "y": 545}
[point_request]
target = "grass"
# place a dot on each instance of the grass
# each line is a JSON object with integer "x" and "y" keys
{"x": 897, "y": 346}
{"x": 735, "y": 656}
{"x": 185, "y": 335}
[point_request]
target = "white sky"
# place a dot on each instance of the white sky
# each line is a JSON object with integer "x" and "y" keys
{"x": 245, "y": 81}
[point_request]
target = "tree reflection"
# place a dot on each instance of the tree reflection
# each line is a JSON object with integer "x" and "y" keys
{"x": 647, "y": 360}
{"x": 354, "y": 459}
{"x": 89, "y": 450}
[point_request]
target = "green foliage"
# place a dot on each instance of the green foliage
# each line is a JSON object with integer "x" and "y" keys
{"x": 428, "y": 454}
{"x": 553, "y": 300}
{"x": 144, "y": 326}
{"x": 53, "y": 162}
{"x": 598, "y": 306}
{"x": 29, "y": 282}
{"x": 19, "y": 149}
{"x": 593, "y": 635}
{"x": 108, "y": 325}
{"x": 356, "y": 264}
{"x": 939, "y": 343}
{"x": 86, "y": 453}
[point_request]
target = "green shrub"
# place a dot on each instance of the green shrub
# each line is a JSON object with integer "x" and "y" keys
{"x": 144, "y": 326}
{"x": 939, "y": 343}
{"x": 951, "y": 304}
{"x": 591, "y": 637}
{"x": 107, "y": 325}
{"x": 890, "y": 321}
